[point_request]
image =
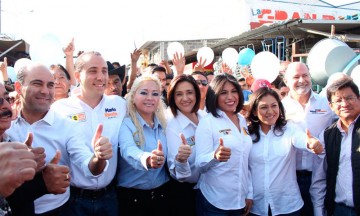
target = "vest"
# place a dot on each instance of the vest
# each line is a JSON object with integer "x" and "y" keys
{"x": 332, "y": 137}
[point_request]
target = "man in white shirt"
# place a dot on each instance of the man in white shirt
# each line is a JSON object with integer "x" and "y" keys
{"x": 88, "y": 109}
{"x": 60, "y": 137}
{"x": 309, "y": 111}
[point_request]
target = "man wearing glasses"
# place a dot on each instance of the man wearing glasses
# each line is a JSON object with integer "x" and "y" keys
{"x": 202, "y": 82}
{"x": 337, "y": 184}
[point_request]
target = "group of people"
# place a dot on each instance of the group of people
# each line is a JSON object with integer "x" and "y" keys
{"x": 181, "y": 148}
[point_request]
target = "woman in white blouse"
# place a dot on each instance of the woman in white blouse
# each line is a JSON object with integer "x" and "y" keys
{"x": 222, "y": 149}
{"x": 272, "y": 158}
{"x": 184, "y": 99}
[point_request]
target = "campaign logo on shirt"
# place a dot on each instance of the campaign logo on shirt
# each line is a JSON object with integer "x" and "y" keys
{"x": 136, "y": 138}
{"x": 225, "y": 131}
{"x": 318, "y": 111}
{"x": 110, "y": 113}
{"x": 190, "y": 141}
{"x": 80, "y": 117}
{"x": 246, "y": 132}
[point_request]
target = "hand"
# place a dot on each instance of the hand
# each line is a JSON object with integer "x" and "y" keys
{"x": 184, "y": 151}
{"x": 225, "y": 68}
{"x": 39, "y": 152}
{"x": 3, "y": 65}
{"x": 70, "y": 48}
{"x": 101, "y": 145}
{"x": 248, "y": 206}
{"x": 135, "y": 55}
{"x": 17, "y": 165}
{"x": 222, "y": 153}
{"x": 56, "y": 177}
{"x": 179, "y": 63}
{"x": 157, "y": 159}
{"x": 200, "y": 65}
{"x": 313, "y": 144}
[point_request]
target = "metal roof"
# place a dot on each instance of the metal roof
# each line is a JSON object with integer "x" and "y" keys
{"x": 295, "y": 30}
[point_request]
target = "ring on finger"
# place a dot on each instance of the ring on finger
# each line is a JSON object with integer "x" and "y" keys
{"x": 158, "y": 158}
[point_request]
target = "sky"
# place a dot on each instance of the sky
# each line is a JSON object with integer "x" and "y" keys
{"x": 114, "y": 27}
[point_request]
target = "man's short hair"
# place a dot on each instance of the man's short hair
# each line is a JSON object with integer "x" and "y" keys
{"x": 158, "y": 68}
{"x": 345, "y": 82}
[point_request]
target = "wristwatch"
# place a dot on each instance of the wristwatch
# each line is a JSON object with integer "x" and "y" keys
{"x": 7, "y": 82}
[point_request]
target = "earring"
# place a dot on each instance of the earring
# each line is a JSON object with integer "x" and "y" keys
{"x": 255, "y": 120}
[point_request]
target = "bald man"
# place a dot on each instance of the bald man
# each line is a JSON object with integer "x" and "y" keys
{"x": 310, "y": 111}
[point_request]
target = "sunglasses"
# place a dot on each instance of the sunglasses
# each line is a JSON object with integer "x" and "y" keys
{"x": 2, "y": 100}
{"x": 202, "y": 82}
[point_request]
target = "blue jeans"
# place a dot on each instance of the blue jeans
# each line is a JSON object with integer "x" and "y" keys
{"x": 106, "y": 205}
{"x": 342, "y": 210}
{"x": 204, "y": 208}
{"x": 295, "y": 213}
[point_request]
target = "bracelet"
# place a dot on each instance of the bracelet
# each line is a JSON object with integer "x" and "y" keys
{"x": 7, "y": 82}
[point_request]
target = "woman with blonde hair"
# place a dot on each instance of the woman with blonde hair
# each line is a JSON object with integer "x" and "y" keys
{"x": 142, "y": 176}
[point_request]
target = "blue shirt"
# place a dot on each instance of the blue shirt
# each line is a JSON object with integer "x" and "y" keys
{"x": 246, "y": 94}
{"x": 132, "y": 170}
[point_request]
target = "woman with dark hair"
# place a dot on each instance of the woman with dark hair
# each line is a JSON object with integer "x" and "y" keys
{"x": 222, "y": 149}
{"x": 62, "y": 81}
{"x": 272, "y": 158}
{"x": 184, "y": 99}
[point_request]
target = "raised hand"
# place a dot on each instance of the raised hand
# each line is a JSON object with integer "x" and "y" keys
{"x": 56, "y": 177}
{"x": 70, "y": 48}
{"x": 222, "y": 153}
{"x": 184, "y": 151}
{"x": 135, "y": 55}
{"x": 39, "y": 152}
{"x": 17, "y": 165}
{"x": 157, "y": 159}
{"x": 3, "y": 65}
{"x": 200, "y": 66}
{"x": 101, "y": 145}
{"x": 313, "y": 144}
{"x": 179, "y": 62}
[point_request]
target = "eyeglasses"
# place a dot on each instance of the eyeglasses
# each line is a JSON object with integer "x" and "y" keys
{"x": 2, "y": 100}
{"x": 350, "y": 99}
{"x": 202, "y": 82}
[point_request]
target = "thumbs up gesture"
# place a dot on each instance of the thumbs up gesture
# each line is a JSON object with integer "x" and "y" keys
{"x": 101, "y": 145}
{"x": 157, "y": 159}
{"x": 222, "y": 153}
{"x": 56, "y": 177}
{"x": 184, "y": 150}
{"x": 313, "y": 144}
{"x": 39, "y": 152}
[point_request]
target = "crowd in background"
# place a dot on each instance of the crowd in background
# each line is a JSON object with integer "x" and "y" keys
{"x": 87, "y": 138}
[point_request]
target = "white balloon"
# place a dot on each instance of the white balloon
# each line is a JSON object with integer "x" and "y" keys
{"x": 355, "y": 75}
{"x": 205, "y": 53}
{"x": 173, "y": 48}
{"x": 265, "y": 65}
{"x": 20, "y": 63}
{"x": 230, "y": 56}
{"x": 47, "y": 50}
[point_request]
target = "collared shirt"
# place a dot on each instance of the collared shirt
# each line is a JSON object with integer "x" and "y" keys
{"x": 109, "y": 112}
{"x": 184, "y": 172}
{"x": 54, "y": 132}
{"x": 344, "y": 178}
{"x": 273, "y": 170}
{"x": 316, "y": 116}
{"x": 132, "y": 169}
{"x": 225, "y": 185}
